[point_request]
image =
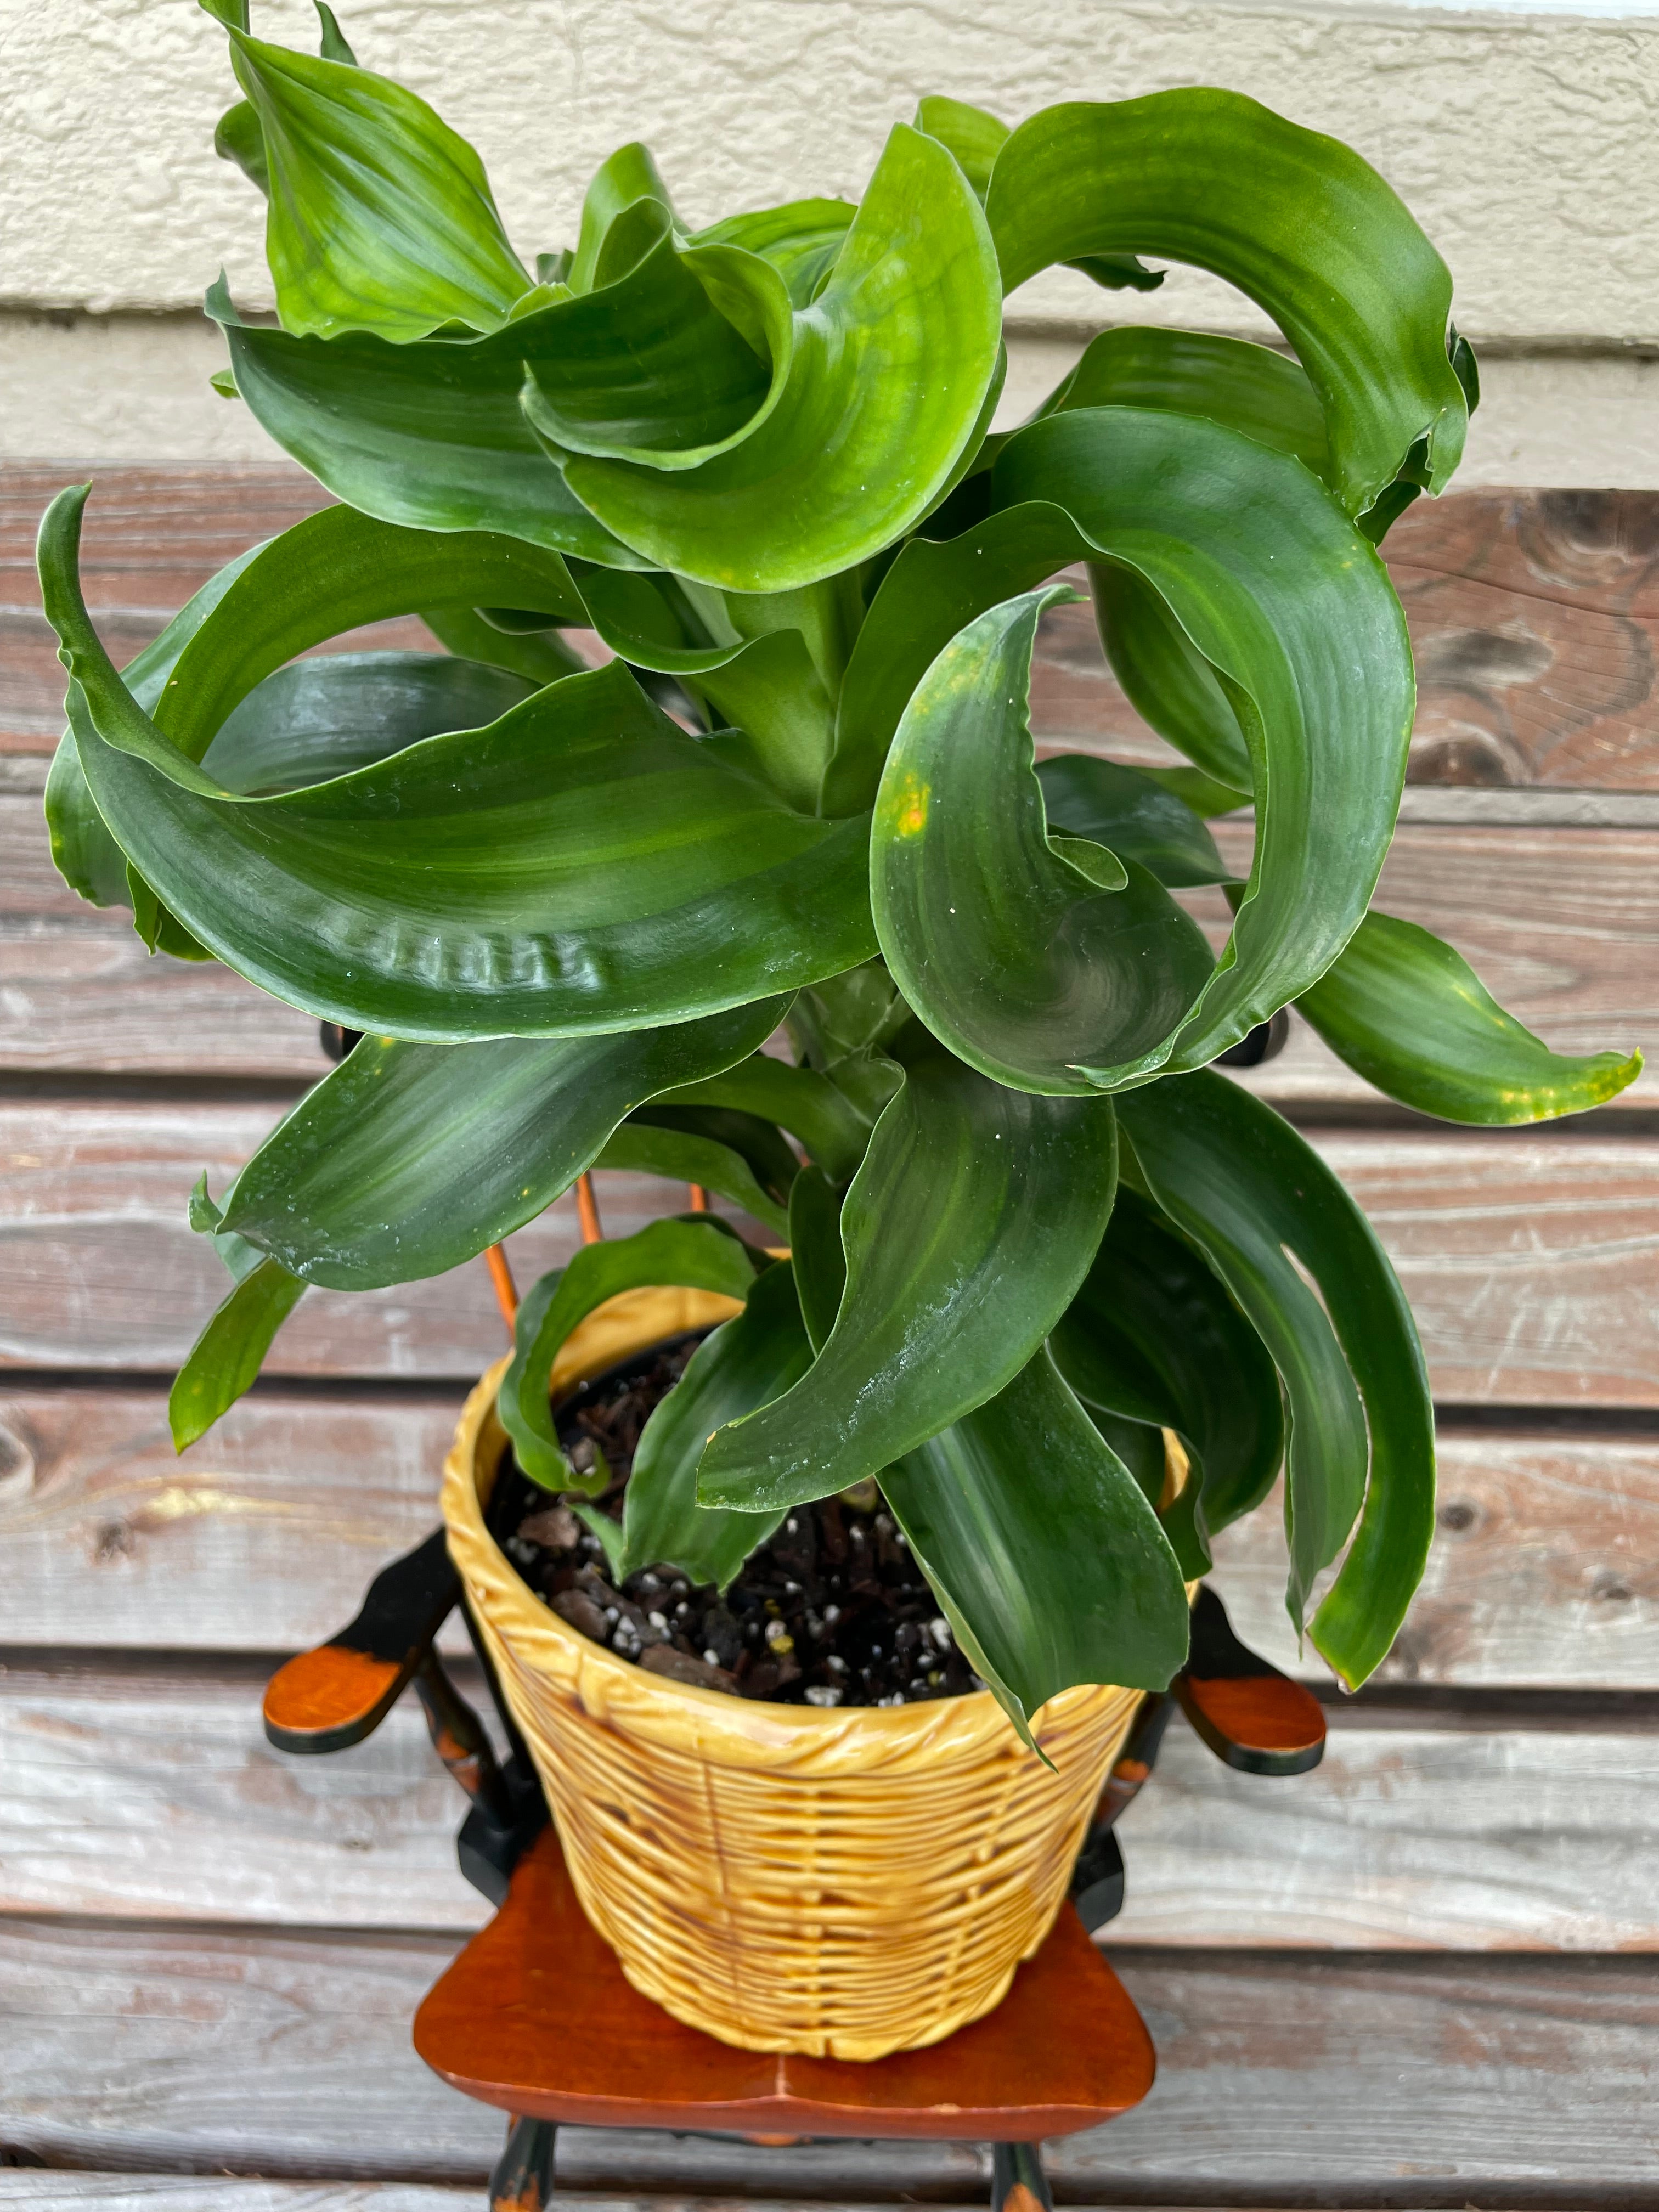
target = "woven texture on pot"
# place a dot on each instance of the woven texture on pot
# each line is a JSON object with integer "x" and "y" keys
{"x": 839, "y": 1883}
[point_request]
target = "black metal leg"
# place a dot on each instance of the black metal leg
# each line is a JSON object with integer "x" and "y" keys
{"x": 1018, "y": 2181}
{"x": 523, "y": 2179}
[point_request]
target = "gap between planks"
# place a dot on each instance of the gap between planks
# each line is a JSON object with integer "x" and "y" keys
{"x": 1513, "y": 2083}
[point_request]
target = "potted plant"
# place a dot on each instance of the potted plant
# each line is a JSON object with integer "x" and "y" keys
{"x": 1047, "y": 1301}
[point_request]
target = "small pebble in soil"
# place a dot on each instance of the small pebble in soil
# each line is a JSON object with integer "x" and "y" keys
{"x": 832, "y": 1610}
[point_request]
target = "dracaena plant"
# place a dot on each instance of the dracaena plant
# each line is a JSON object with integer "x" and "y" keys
{"x": 570, "y": 904}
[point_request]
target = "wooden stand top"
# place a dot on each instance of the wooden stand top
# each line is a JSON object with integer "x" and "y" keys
{"x": 535, "y": 2017}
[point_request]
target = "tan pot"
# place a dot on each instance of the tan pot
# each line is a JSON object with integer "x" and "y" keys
{"x": 839, "y": 1883}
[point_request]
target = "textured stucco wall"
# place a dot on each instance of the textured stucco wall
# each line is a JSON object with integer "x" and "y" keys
{"x": 1526, "y": 145}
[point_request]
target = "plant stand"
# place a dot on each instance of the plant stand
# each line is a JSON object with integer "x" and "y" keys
{"x": 535, "y": 2017}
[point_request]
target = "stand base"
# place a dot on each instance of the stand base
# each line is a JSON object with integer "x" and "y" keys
{"x": 535, "y": 2017}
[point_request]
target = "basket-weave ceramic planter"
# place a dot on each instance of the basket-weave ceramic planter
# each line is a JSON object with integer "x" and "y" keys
{"x": 838, "y": 1883}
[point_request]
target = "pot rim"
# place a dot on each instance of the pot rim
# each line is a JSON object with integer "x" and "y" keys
{"x": 746, "y": 1730}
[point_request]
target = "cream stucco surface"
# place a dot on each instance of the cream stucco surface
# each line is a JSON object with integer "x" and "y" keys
{"x": 1525, "y": 143}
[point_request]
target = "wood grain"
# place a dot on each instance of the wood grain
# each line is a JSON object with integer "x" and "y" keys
{"x": 147, "y": 1795}
{"x": 1545, "y": 1569}
{"x": 263, "y": 1537}
{"x": 1562, "y": 925}
{"x": 1532, "y": 1258}
{"x": 105, "y": 1271}
{"x": 1534, "y": 617}
{"x": 1410, "y": 2081}
{"x": 46, "y": 2189}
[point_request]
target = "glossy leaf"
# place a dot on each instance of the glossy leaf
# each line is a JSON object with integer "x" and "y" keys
{"x": 698, "y": 1252}
{"x": 647, "y": 368}
{"x": 888, "y": 371}
{"x": 621, "y": 182}
{"x": 644, "y": 1145}
{"x": 830, "y": 1127}
{"x": 83, "y": 850}
{"x": 408, "y": 1159}
{"x": 1136, "y": 818}
{"x": 580, "y": 865}
{"x": 1306, "y": 1267}
{"x": 747, "y": 1362}
{"x": 542, "y": 657}
{"x": 997, "y": 937}
{"x": 1038, "y": 1537}
{"x": 1291, "y": 607}
{"x": 1297, "y": 220}
{"x": 324, "y": 717}
{"x": 381, "y": 217}
{"x": 1153, "y": 1336}
{"x": 967, "y": 1231}
{"x": 801, "y": 240}
{"x": 429, "y": 435}
{"x": 226, "y": 1358}
{"x": 974, "y": 135}
{"x": 815, "y": 1252}
{"x": 1244, "y": 387}
{"x": 1410, "y": 1015}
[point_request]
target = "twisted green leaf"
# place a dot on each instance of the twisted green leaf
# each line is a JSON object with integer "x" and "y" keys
{"x": 697, "y": 1253}
{"x": 748, "y": 1361}
{"x": 408, "y": 1159}
{"x": 1152, "y": 1336}
{"x": 967, "y": 1231}
{"x": 380, "y": 218}
{"x": 649, "y": 1144}
{"x": 1297, "y": 220}
{"x": 1244, "y": 387}
{"x": 1132, "y": 815}
{"x": 579, "y": 865}
{"x": 1272, "y": 1219}
{"x": 888, "y": 372}
{"x": 1410, "y": 1015}
{"x": 1294, "y": 611}
{"x": 826, "y": 1121}
{"x": 997, "y": 936}
{"x": 323, "y": 718}
{"x": 1042, "y": 1548}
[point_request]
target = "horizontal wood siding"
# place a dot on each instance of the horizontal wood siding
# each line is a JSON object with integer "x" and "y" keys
{"x": 1421, "y": 1976}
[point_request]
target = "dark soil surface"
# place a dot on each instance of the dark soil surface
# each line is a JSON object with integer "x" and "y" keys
{"x": 833, "y": 1610}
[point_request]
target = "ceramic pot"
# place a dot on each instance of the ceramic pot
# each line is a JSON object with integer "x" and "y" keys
{"x": 841, "y": 1883}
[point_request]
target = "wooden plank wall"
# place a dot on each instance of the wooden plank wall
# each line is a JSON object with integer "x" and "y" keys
{"x": 1424, "y": 1975}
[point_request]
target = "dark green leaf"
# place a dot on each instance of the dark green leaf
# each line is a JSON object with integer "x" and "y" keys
{"x": 699, "y": 1253}
{"x": 334, "y": 47}
{"x": 83, "y": 852}
{"x": 324, "y": 717}
{"x": 225, "y": 1359}
{"x": 830, "y": 1125}
{"x": 997, "y": 938}
{"x": 429, "y": 435}
{"x": 1297, "y": 220}
{"x": 1153, "y": 1336}
{"x": 1411, "y": 1016}
{"x": 745, "y": 1363}
{"x": 580, "y": 865}
{"x": 237, "y": 137}
{"x": 967, "y": 1231}
{"x": 1137, "y": 818}
{"x": 1039, "y": 1541}
{"x": 382, "y": 218}
{"x": 1272, "y": 1221}
{"x": 1288, "y": 604}
{"x": 408, "y": 1159}
{"x": 642, "y": 1146}
{"x": 541, "y": 658}
{"x": 820, "y": 1264}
